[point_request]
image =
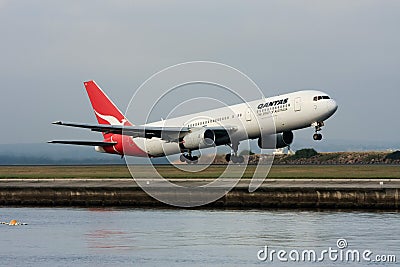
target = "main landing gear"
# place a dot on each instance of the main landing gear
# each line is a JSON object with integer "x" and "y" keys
{"x": 189, "y": 159}
{"x": 317, "y": 136}
{"x": 233, "y": 156}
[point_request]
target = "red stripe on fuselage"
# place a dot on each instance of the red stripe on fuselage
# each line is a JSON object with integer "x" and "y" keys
{"x": 125, "y": 146}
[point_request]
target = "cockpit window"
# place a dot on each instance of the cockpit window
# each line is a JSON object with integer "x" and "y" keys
{"x": 316, "y": 98}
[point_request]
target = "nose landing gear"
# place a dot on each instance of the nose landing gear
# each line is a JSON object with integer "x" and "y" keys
{"x": 317, "y": 136}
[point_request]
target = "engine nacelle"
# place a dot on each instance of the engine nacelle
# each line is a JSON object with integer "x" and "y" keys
{"x": 276, "y": 140}
{"x": 199, "y": 139}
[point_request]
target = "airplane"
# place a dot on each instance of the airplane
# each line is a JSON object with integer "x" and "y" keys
{"x": 222, "y": 126}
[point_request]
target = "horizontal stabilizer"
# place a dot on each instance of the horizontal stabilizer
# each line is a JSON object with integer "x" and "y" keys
{"x": 134, "y": 131}
{"x": 84, "y": 143}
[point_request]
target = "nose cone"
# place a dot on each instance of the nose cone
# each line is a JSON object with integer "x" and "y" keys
{"x": 331, "y": 107}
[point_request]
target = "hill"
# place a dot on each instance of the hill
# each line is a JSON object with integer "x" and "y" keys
{"x": 327, "y": 158}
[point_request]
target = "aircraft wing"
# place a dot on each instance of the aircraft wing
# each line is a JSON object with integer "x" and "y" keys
{"x": 166, "y": 133}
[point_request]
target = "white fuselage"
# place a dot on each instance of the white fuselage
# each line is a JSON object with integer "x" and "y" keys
{"x": 251, "y": 120}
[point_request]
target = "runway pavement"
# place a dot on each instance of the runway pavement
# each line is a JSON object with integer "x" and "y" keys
{"x": 268, "y": 183}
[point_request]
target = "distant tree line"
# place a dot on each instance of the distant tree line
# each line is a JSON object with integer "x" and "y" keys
{"x": 394, "y": 156}
{"x": 305, "y": 153}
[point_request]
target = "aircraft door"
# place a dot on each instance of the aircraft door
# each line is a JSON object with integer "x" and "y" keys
{"x": 297, "y": 104}
{"x": 248, "y": 114}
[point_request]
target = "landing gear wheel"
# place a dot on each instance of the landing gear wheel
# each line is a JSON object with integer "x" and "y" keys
{"x": 317, "y": 137}
{"x": 237, "y": 159}
{"x": 194, "y": 160}
{"x": 182, "y": 158}
{"x": 228, "y": 157}
{"x": 234, "y": 159}
{"x": 189, "y": 159}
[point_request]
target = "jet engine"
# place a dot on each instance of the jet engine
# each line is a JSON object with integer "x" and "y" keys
{"x": 276, "y": 140}
{"x": 199, "y": 139}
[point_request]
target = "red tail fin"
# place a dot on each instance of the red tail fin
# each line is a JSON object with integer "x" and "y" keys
{"x": 105, "y": 110}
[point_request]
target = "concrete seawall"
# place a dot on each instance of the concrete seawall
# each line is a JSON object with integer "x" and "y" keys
{"x": 329, "y": 198}
{"x": 279, "y": 193}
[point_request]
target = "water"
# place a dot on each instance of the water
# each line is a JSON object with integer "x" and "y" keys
{"x": 130, "y": 237}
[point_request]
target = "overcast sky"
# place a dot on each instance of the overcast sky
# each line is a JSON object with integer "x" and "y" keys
{"x": 349, "y": 49}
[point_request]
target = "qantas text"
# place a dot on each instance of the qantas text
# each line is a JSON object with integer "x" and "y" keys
{"x": 273, "y": 103}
